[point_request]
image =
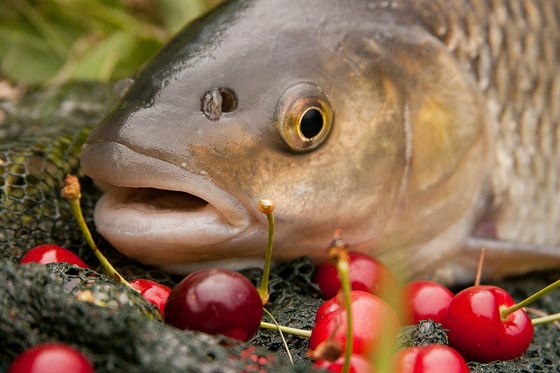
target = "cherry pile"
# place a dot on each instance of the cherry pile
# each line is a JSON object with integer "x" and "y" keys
{"x": 374, "y": 322}
{"x": 355, "y": 328}
{"x": 483, "y": 322}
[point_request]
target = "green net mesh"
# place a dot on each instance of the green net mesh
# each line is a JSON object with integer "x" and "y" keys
{"x": 42, "y": 138}
{"x": 115, "y": 327}
{"x": 40, "y": 141}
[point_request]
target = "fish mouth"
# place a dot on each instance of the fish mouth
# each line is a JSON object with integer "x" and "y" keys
{"x": 158, "y": 212}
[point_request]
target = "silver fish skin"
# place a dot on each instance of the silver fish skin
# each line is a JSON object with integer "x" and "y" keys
{"x": 419, "y": 129}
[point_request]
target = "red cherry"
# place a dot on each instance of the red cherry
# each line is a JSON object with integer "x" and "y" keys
{"x": 426, "y": 300}
{"x": 477, "y": 331}
{"x": 366, "y": 274}
{"x": 51, "y": 253}
{"x": 51, "y": 357}
{"x": 155, "y": 293}
{"x": 429, "y": 359}
{"x": 216, "y": 302}
{"x": 373, "y": 322}
{"x": 358, "y": 364}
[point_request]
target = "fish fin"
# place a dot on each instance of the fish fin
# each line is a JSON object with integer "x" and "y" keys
{"x": 511, "y": 247}
{"x": 502, "y": 259}
{"x": 505, "y": 258}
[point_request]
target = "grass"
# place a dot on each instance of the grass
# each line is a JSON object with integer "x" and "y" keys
{"x": 53, "y": 41}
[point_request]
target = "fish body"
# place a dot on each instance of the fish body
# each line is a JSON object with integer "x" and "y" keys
{"x": 406, "y": 125}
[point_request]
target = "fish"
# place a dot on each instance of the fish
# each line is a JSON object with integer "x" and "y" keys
{"x": 420, "y": 130}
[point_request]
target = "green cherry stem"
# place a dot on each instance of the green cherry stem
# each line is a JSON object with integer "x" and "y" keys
{"x": 505, "y": 311}
{"x": 266, "y": 206}
{"x": 339, "y": 253}
{"x": 545, "y": 319}
{"x": 71, "y": 191}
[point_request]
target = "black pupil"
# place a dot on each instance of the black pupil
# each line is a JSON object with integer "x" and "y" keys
{"x": 311, "y": 123}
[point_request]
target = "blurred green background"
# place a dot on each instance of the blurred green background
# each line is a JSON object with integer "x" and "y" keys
{"x": 53, "y": 41}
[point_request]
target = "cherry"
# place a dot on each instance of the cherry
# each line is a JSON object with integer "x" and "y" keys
{"x": 51, "y": 357}
{"x": 215, "y": 301}
{"x": 153, "y": 292}
{"x": 426, "y": 300}
{"x": 374, "y": 322}
{"x": 51, "y": 253}
{"x": 477, "y": 330}
{"x": 366, "y": 274}
{"x": 358, "y": 364}
{"x": 429, "y": 359}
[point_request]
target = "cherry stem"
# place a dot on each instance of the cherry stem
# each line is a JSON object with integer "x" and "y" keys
{"x": 286, "y": 329}
{"x": 505, "y": 311}
{"x": 71, "y": 191}
{"x": 281, "y": 335}
{"x": 339, "y": 253}
{"x": 479, "y": 267}
{"x": 545, "y": 319}
{"x": 266, "y": 206}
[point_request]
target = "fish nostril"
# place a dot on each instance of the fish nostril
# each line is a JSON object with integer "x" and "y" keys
{"x": 218, "y": 101}
{"x": 229, "y": 100}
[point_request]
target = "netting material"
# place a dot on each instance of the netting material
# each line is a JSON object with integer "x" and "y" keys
{"x": 113, "y": 325}
{"x": 42, "y": 137}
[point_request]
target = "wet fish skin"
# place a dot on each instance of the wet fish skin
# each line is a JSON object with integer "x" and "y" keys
{"x": 419, "y": 148}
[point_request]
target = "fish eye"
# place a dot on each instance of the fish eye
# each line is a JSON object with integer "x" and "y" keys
{"x": 303, "y": 117}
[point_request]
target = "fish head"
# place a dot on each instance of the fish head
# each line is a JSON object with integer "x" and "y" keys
{"x": 249, "y": 103}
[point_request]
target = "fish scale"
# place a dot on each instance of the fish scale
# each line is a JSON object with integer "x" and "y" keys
{"x": 512, "y": 49}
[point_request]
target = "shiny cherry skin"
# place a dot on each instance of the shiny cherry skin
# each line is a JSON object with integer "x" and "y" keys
{"x": 429, "y": 359}
{"x": 215, "y": 301}
{"x": 153, "y": 292}
{"x": 358, "y": 364}
{"x": 51, "y": 253}
{"x": 425, "y": 300}
{"x": 373, "y": 322}
{"x": 477, "y": 331}
{"x": 51, "y": 357}
{"x": 366, "y": 274}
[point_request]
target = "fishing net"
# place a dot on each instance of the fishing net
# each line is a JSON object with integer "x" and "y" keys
{"x": 41, "y": 140}
{"x": 41, "y": 136}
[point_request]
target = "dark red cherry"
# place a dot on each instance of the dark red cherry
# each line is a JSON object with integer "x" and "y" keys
{"x": 51, "y": 253}
{"x": 153, "y": 292}
{"x": 215, "y": 301}
{"x": 51, "y": 357}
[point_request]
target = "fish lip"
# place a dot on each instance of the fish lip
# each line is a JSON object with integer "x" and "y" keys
{"x": 222, "y": 218}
